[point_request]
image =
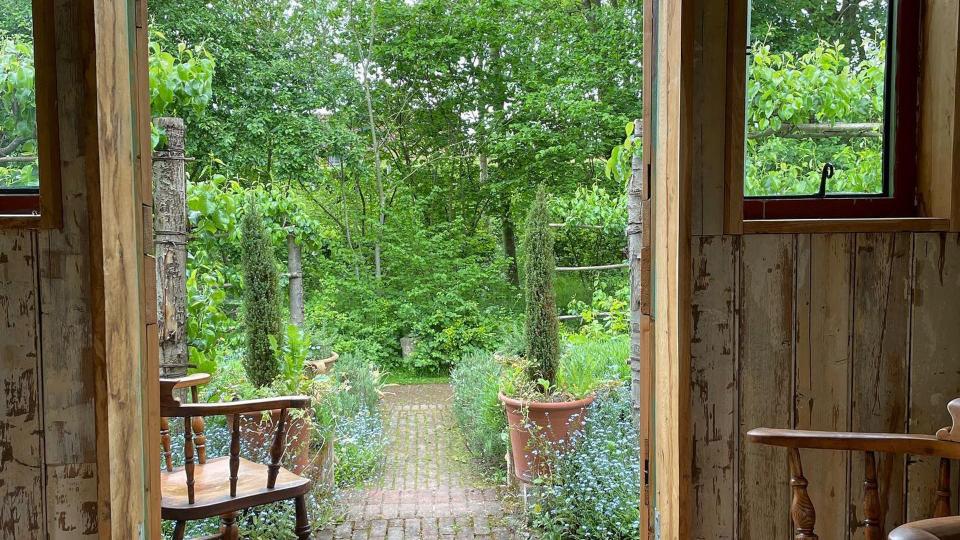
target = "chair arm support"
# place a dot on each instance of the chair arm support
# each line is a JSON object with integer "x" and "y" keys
{"x": 893, "y": 443}
{"x": 178, "y": 410}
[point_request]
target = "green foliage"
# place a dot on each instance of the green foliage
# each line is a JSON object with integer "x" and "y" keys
{"x": 209, "y": 326}
{"x": 18, "y": 111}
{"x": 542, "y": 327}
{"x": 180, "y": 83}
{"x": 821, "y": 86}
{"x": 359, "y": 426}
{"x": 475, "y": 382}
{"x": 260, "y": 298}
{"x": 607, "y": 313}
{"x": 589, "y": 364}
{"x": 293, "y": 353}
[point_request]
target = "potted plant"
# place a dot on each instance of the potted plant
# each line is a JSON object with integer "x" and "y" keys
{"x": 539, "y": 412}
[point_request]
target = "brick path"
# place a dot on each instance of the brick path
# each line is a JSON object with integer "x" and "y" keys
{"x": 430, "y": 487}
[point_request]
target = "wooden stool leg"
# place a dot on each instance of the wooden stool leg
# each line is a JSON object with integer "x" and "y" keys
{"x": 942, "y": 508}
{"x": 873, "y": 528}
{"x": 228, "y": 527}
{"x": 801, "y": 507}
{"x": 179, "y": 530}
{"x": 303, "y": 522}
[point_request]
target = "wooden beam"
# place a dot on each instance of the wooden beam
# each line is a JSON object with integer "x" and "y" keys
{"x": 115, "y": 253}
{"x": 673, "y": 165}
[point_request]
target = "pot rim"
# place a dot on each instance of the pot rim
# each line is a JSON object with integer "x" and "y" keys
{"x": 545, "y": 405}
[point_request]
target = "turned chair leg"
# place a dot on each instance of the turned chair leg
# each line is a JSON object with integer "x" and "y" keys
{"x": 801, "y": 507}
{"x": 303, "y": 522}
{"x": 228, "y": 527}
{"x": 179, "y": 530}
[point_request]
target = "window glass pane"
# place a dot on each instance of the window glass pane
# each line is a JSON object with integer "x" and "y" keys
{"x": 18, "y": 107}
{"x": 816, "y": 96}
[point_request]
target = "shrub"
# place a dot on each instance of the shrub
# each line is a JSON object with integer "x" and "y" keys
{"x": 543, "y": 342}
{"x": 593, "y": 492}
{"x": 260, "y": 298}
{"x": 475, "y": 381}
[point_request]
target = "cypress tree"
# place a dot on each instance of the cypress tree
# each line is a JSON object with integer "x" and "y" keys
{"x": 261, "y": 304}
{"x": 542, "y": 325}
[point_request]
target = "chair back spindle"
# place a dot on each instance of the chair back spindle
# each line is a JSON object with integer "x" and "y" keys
{"x": 942, "y": 508}
{"x": 234, "y": 454}
{"x": 276, "y": 451}
{"x": 801, "y": 507}
{"x": 165, "y": 442}
{"x": 199, "y": 427}
{"x": 188, "y": 462}
{"x": 872, "y": 525}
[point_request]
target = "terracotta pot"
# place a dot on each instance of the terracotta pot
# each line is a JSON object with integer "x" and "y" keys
{"x": 532, "y": 424}
{"x": 258, "y": 430}
{"x": 319, "y": 367}
{"x": 322, "y": 468}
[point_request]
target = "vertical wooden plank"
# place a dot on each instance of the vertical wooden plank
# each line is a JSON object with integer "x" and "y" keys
{"x": 765, "y": 342}
{"x": 734, "y": 129}
{"x": 713, "y": 394}
{"x": 21, "y": 469}
{"x": 710, "y": 72}
{"x": 879, "y": 364}
{"x": 822, "y": 398}
{"x": 934, "y": 369}
{"x": 66, "y": 344}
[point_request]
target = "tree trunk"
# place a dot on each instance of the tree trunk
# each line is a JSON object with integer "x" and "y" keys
{"x": 295, "y": 271}
{"x": 510, "y": 248}
{"x": 170, "y": 242}
{"x": 377, "y": 263}
{"x": 638, "y": 256}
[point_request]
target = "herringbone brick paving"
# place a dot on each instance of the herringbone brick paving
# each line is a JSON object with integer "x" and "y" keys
{"x": 430, "y": 488}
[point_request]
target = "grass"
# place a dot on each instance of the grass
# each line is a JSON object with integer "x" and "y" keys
{"x": 414, "y": 377}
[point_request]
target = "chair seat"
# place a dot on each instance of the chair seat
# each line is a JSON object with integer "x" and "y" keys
{"x": 947, "y": 528}
{"x": 212, "y": 489}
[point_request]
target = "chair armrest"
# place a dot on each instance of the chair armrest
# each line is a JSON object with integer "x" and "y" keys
{"x": 893, "y": 443}
{"x": 187, "y": 381}
{"x": 178, "y": 410}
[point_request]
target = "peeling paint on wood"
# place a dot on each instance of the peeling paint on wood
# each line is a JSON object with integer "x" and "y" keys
{"x": 714, "y": 388}
{"x": 21, "y": 482}
{"x": 822, "y": 388}
{"x": 765, "y": 347}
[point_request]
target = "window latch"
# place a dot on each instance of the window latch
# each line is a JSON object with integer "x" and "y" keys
{"x": 825, "y": 174}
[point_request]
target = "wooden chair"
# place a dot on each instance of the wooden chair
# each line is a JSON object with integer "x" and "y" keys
{"x": 223, "y": 486}
{"x": 945, "y": 445}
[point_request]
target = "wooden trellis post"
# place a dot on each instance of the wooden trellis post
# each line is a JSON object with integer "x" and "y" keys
{"x": 170, "y": 242}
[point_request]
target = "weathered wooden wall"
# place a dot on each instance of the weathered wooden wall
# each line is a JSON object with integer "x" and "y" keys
{"x": 817, "y": 331}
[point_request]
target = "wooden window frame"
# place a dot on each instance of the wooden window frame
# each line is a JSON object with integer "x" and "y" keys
{"x": 902, "y": 210}
{"x": 40, "y": 208}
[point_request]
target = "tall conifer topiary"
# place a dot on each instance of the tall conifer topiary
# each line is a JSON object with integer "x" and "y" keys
{"x": 260, "y": 298}
{"x": 542, "y": 325}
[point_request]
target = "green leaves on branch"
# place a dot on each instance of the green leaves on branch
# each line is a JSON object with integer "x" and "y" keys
{"x": 18, "y": 112}
{"x": 180, "y": 82}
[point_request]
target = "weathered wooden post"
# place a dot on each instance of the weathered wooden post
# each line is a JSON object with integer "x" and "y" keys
{"x": 170, "y": 242}
{"x": 295, "y": 272}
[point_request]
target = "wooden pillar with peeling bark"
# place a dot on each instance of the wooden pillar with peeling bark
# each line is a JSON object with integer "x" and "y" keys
{"x": 170, "y": 242}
